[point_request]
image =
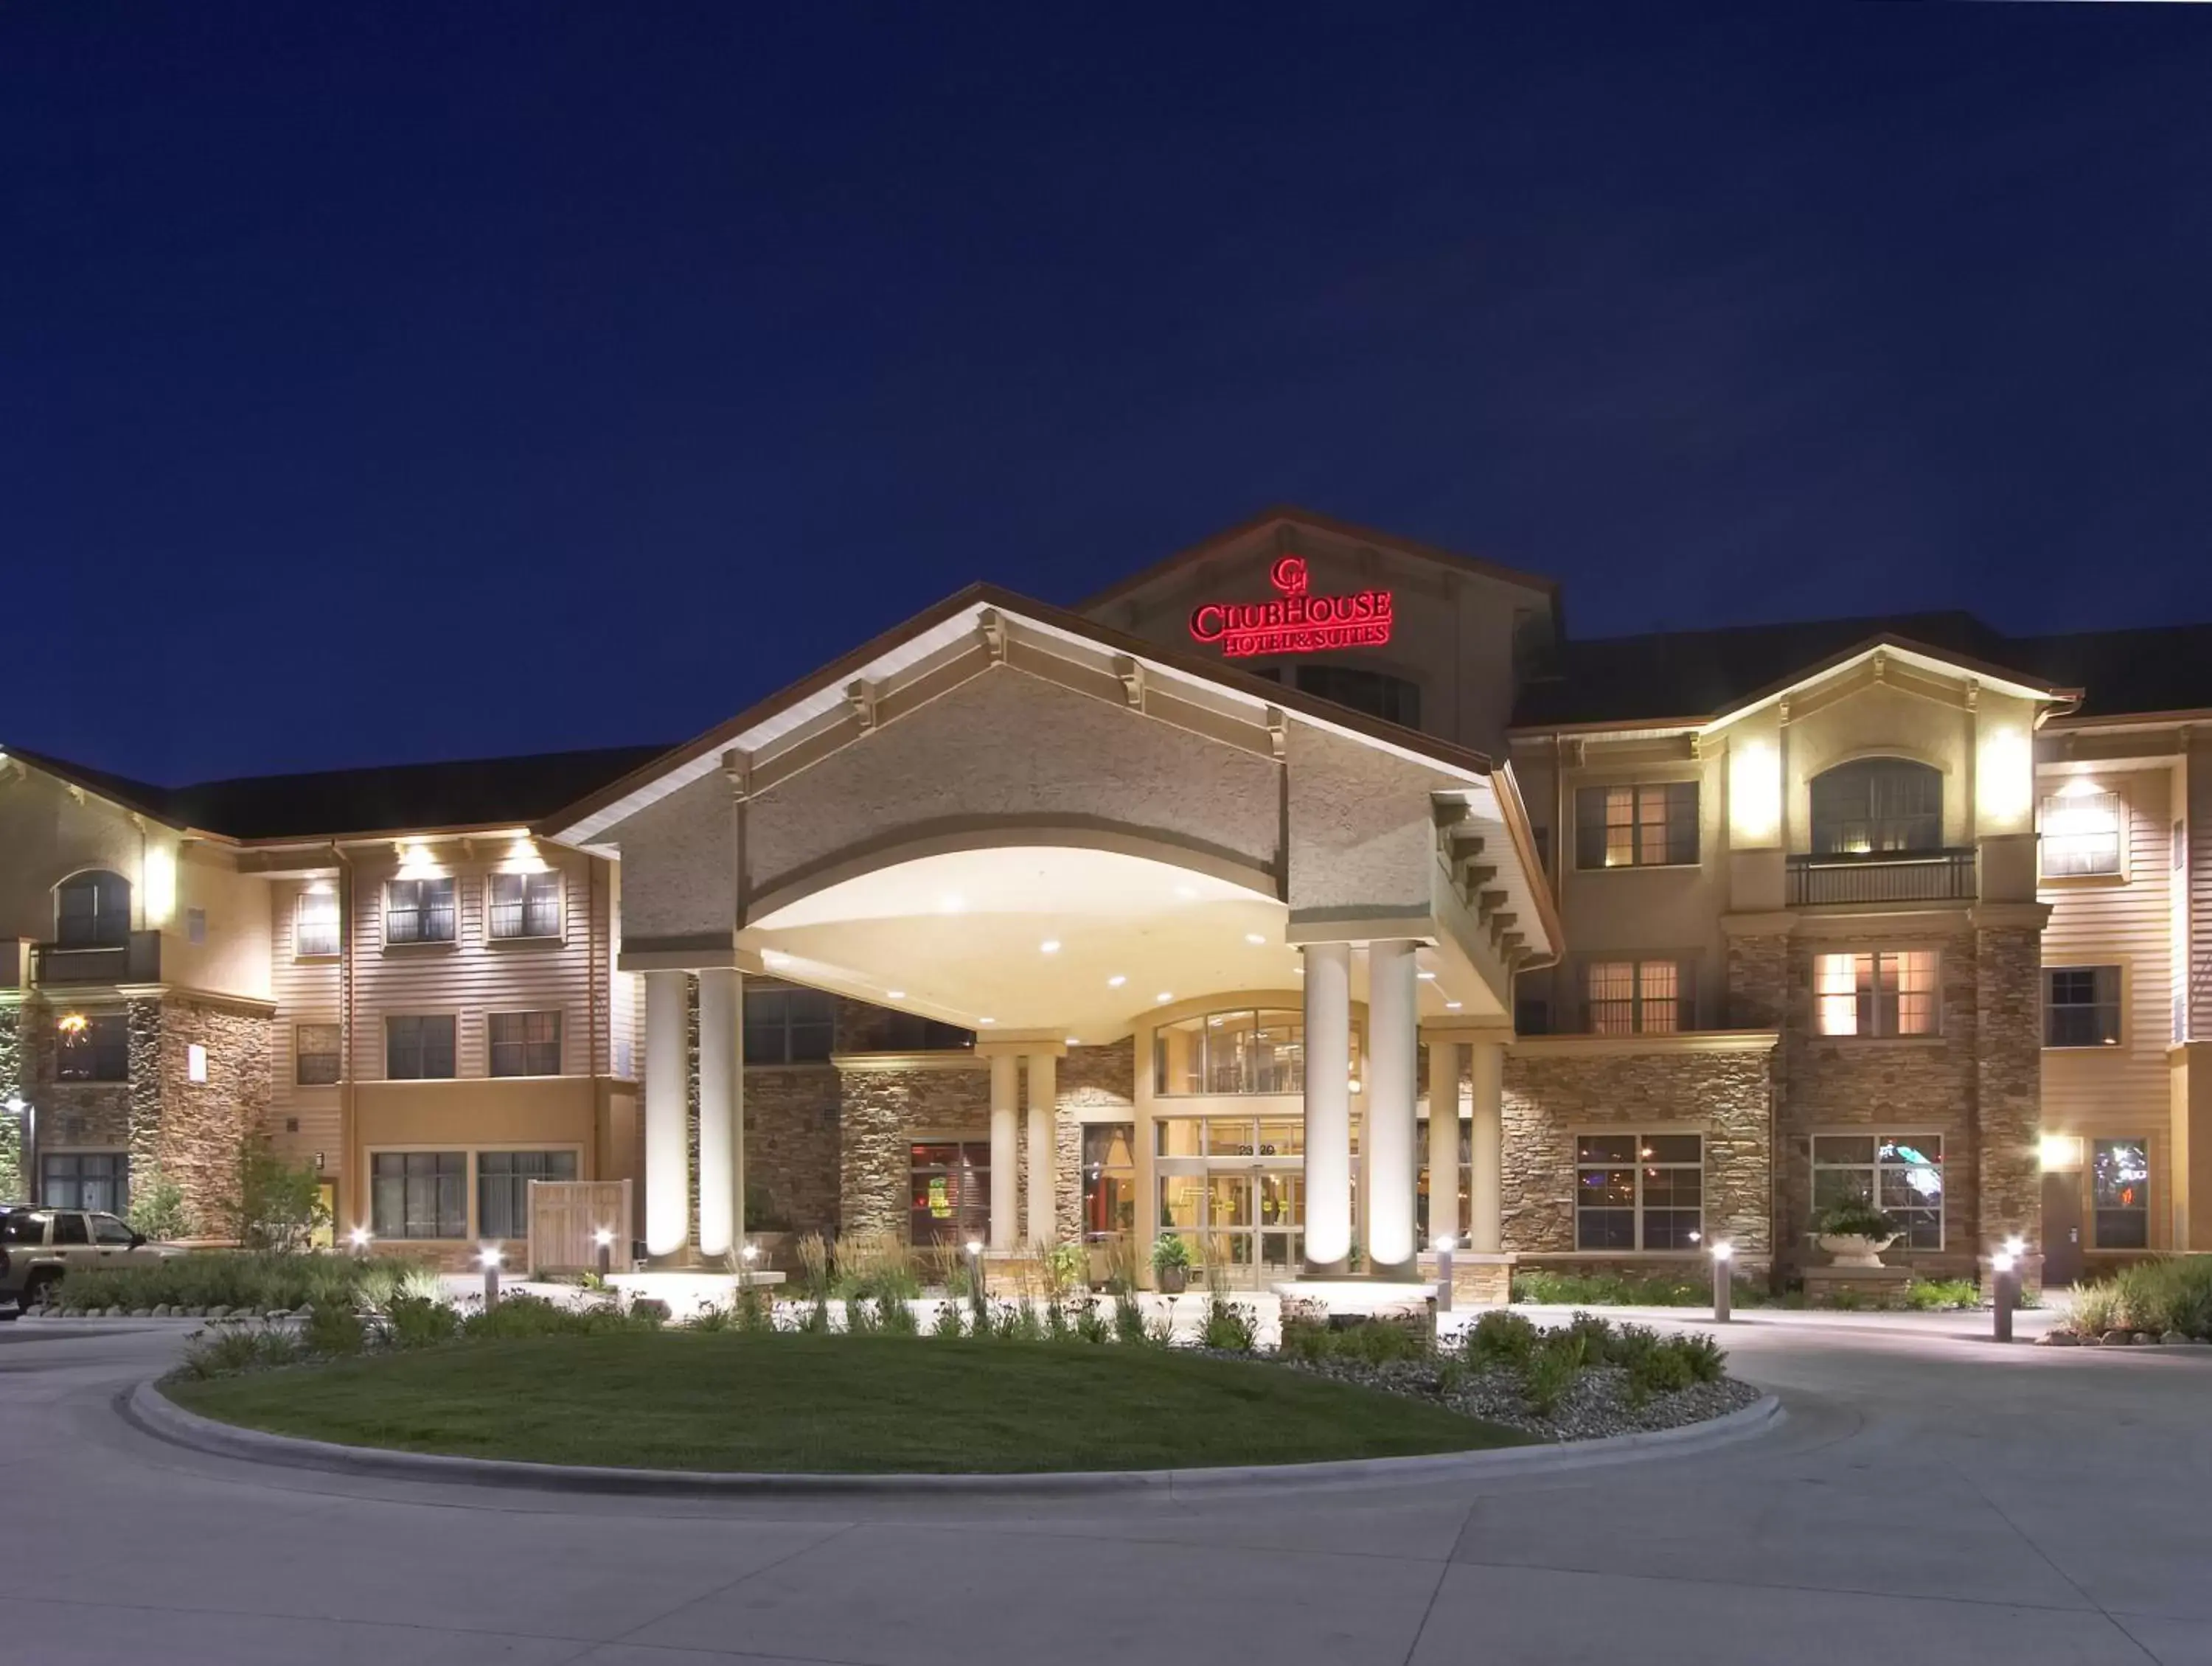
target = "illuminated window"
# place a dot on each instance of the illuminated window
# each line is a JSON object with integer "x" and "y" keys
{"x": 419, "y": 910}
{"x": 1244, "y": 1051}
{"x": 949, "y": 1192}
{"x": 525, "y": 906}
{"x": 2080, "y": 833}
{"x": 315, "y": 1049}
{"x": 93, "y": 910}
{"x": 1637, "y": 826}
{"x": 1639, "y": 1191}
{"x": 85, "y": 1180}
{"x": 1877, "y": 804}
{"x": 419, "y": 1194}
{"x": 419, "y": 1048}
{"x": 1636, "y": 997}
{"x": 1880, "y": 992}
{"x": 1110, "y": 1179}
{"x": 94, "y": 1048}
{"x": 2080, "y": 1006}
{"x": 1901, "y": 1174}
{"x": 2120, "y": 1173}
{"x": 524, "y": 1044}
{"x": 315, "y": 924}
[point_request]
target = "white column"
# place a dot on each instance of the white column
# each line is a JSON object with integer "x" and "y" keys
{"x": 1329, "y": 1108}
{"x": 1005, "y": 1151}
{"x": 721, "y": 1098}
{"x": 1393, "y": 1026}
{"x": 1043, "y": 1096}
{"x": 1443, "y": 1142}
{"x": 667, "y": 1161}
{"x": 1487, "y": 1074}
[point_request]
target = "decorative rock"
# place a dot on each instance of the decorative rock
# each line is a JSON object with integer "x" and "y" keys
{"x": 649, "y": 1307}
{"x": 142, "y": 1312}
{"x": 115, "y": 1313}
{"x": 2172, "y": 1337}
{"x": 217, "y": 1311}
{"x": 193, "y": 1312}
{"x": 2060, "y": 1339}
{"x": 2118, "y": 1338}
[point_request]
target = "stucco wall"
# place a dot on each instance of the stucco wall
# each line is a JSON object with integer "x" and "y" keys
{"x": 1363, "y": 831}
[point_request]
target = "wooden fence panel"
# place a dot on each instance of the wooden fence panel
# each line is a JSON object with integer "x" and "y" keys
{"x": 565, "y": 1219}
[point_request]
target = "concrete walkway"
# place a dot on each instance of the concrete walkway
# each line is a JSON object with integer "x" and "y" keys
{"x": 1931, "y": 1498}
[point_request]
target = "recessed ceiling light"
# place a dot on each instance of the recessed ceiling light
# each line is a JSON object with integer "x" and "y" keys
{"x": 1075, "y": 1041}
{"x": 950, "y": 904}
{"x": 1186, "y": 892}
{"x": 1115, "y": 981}
{"x": 1428, "y": 977}
{"x": 1451, "y": 1006}
{"x": 986, "y": 1021}
{"x": 1163, "y": 996}
{"x": 1049, "y": 946}
{"x": 1255, "y": 938}
{"x": 775, "y": 957}
{"x": 896, "y": 994}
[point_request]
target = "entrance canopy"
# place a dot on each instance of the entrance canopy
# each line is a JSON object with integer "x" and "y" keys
{"x": 1008, "y": 817}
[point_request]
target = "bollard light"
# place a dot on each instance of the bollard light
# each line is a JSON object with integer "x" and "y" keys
{"x": 975, "y": 1269}
{"x": 2004, "y": 1293}
{"x": 604, "y": 1239}
{"x": 1723, "y": 1287}
{"x": 1443, "y": 1247}
{"x": 359, "y": 1239}
{"x": 490, "y": 1255}
{"x": 746, "y": 1256}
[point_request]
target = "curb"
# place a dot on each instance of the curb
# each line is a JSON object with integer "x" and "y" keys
{"x": 158, "y": 1415}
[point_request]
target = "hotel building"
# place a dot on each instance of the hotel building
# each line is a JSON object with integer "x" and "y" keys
{"x": 1312, "y": 893}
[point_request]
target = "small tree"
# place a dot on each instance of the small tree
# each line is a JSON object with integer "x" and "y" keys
{"x": 158, "y": 1209}
{"x": 278, "y": 1206}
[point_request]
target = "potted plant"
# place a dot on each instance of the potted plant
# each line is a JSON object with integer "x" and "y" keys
{"x": 1170, "y": 1264}
{"x": 1855, "y": 1232}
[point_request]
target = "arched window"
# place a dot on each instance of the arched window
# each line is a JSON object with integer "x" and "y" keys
{"x": 91, "y": 910}
{"x": 1877, "y": 804}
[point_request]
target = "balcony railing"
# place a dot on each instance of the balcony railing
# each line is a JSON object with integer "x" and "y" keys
{"x": 1882, "y": 876}
{"x": 138, "y": 961}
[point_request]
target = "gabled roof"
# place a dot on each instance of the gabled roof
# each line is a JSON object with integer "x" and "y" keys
{"x": 1692, "y": 677}
{"x": 1290, "y": 515}
{"x": 480, "y": 792}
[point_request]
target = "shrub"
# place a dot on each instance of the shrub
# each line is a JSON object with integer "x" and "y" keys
{"x": 1596, "y": 1333}
{"x": 1661, "y": 1370}
{"x": 813, "y": 1252}
{"x": 1378, "y": 1342}
{"x": 870, "y": 1265}
{"x": 415, "y": 1322}
{"x": 234, "y": 1351}
{"x": 950, "y": 1321}
{"x": 1092, "y": 1324}
{"x": 333, "y": 1329}
{"x": 158, "y": 1209}
{"x": 895, "y": 1317}
{"x": 1855, "y": 1217}
{"x": 1706, "y": 1357}
{"x": 276, "y": 1205}
{"x": 1228, "y": 1327}
{"x": 1451, "y": 1375}
{"x": 1930, "y": 1294}
{"x": 1500, "y": 1337}
{"x": 1028, "y": 1325}
{"x": 1169, "y": 1250}
{"x": 2171, "y": 1292}
{"x": 1305, "y": 1333}
{"x": 1550, "y": 1371}
{"x": 224, "y": 1278}
{"x": 1128, "y": 1316}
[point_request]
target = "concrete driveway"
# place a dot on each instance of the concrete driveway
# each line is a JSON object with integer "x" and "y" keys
{"x": 1930, "y": 1498}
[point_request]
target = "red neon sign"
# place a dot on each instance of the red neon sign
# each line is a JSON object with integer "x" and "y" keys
{"x": 1296, "y": 622}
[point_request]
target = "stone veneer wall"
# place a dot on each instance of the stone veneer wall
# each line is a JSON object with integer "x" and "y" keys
{"x": 792, "y": 1177}
{"x": 13, "y": 1181}
{"x": 2009, "y": 1082}
{"x": 1549, "y": 1096}
{"x": 883, "y": 1112}
{"x": 1091, "y": 1078}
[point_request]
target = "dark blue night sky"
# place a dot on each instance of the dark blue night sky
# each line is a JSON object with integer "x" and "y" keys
{"x": 389, "y": 383}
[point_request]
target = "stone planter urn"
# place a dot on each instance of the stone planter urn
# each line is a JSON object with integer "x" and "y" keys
{"x": 1173, "y": 1281}
{"x": 1854, "y": 1249}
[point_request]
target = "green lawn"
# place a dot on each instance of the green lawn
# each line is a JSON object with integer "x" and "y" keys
{"x": 731, "y": 1401}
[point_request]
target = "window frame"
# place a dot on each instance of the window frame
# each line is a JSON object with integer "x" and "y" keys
{"x": 1867, "y": 997}
{"x": 336, "y": 1055}
{"x": 1885, "y": 1134}
{"x": 523, "y": 907}
{"x": 755, "y": 1017}
{"x": 479, "y": 1221}
{"x": 118, "y": 1176}
{"x": 1683, "y": 1000}
{"x": 105, "y": 887}
{"x": 2046, "y": 803}
{"x": 2099, "y": 1210}
{"x": 392, "y": 1018}
{"x": 2117, "y": 1006}
{"x": 378, "y": 1224}
{"x": 1636, "y": 1208}
{"x": 98, "y": 1054}
{"x": 558, "y": 1044}
{"x": 1593, "y": 833}
{"x": 419, "y": 908}
{"x": 299, "y": 951}
{"x": 969, "y": 1171}
{"x": 1290, "y": 1055}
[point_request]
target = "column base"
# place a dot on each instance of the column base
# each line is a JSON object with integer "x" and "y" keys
{"x": 1396, "y": 1272}
{"x": 1325, "y": 1270}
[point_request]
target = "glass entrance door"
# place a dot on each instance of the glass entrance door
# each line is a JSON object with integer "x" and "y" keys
{"x": 1234, "y": 1189}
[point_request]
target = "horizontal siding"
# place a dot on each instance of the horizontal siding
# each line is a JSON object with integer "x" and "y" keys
{"x": 306, "y": 992}
{"x": 2123, "y": 1091}
{"x": 474, "y": 977}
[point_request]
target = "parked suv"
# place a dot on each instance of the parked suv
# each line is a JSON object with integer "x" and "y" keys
{"x": 39, "y": 1245}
